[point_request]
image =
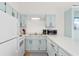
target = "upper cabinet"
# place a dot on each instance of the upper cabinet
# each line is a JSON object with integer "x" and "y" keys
{"x": 2, "y": 6}
{"x": 14, "y": 13}
{"x": 71, "y": 23}
{"x": 68, "y": 23}
{"x": 8, "y": 9}
{"x": 23, "y": 20}
{"x": 50, "y": 21}
{"x": 5, "y": 7}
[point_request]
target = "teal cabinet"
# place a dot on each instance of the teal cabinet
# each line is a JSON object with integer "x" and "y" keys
{"x": 23, "y": 19}
{"x": 36, "y": 44}
{"x": 68, "y": 23}
{"x": 5, "y": 7}
{"x": 14, "y": 13}
{"x": 43, "y": 44}
{"x": 8, "y": 9}
{"x": 2, "y": 6}
{"x": 28, "y": 44}
{"x": 18, "y": 18}
{"x": 50, "y": 21}
{"x": 55, "y": 50}
{"x": 32, "y": 44}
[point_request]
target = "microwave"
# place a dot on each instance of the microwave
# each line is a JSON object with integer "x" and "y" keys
{"x": 49, "y": 32}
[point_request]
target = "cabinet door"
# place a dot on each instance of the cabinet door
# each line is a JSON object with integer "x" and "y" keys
{"x": 43, "y": 44}
{"x": 8, "y": 9}
{"x": 2, "y": 6}
{"x": 35, "y": 44}
{"x": 32, "y": 44}
{"x": 14, "y": 13}
{"x": 28, "y": 44}
{"x": 50, "y": 21}
{"x": 23, "y": 20}
{"x": 21, "y": 46}
{"x": 68, "y": 23}
{"x": 53, "y": 51}
{"x": 50, "y": 49}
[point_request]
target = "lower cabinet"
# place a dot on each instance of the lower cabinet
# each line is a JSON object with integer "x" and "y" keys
{"x": 51, "y": 49}
{"x": 43, "y": 44}
{"x": 28, "y": 44}
{"x": 36, "y": 44}
{"x": 54, "y": 50}
{"x": 32, "y": 44}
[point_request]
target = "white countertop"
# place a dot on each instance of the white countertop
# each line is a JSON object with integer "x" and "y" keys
{"x": 69, "y": 45}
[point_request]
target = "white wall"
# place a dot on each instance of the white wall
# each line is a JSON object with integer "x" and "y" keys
{"x": 47, "y": 8}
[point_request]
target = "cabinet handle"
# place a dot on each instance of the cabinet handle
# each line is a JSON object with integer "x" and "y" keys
{"x": 52, "y": 45}
{"x": 21, "y": 43}
{"x": 55, "y": 54}
{"x": 30, "y": 41}
{"x": 5, "y": 7}
{"x": 40, "y": 41}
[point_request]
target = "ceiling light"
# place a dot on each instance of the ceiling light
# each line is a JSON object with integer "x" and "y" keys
{"x": 35, "y": 18}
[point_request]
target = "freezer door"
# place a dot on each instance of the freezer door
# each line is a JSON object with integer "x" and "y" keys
{"x": 9, "y": 48}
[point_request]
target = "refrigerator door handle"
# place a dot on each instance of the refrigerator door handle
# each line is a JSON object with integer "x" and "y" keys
{"x": 8, "y": 40}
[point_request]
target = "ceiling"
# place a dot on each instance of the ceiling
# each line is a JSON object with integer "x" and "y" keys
{"x": 40, "y": 7}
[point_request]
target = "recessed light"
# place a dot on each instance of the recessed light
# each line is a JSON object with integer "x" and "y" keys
{"x": 35, "y": 18}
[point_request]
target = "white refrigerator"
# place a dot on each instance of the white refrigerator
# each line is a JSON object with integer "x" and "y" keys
{"x": 8, "y": 35}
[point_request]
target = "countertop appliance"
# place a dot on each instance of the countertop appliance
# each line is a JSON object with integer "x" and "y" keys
{"x": 44, "y": 31}
{"x": 49, "y": 31}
